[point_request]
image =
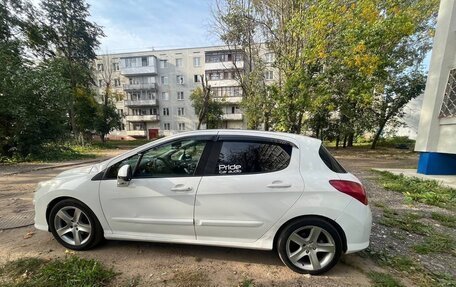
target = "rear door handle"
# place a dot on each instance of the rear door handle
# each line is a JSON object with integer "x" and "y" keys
{"x": 181, "y": 188}
{"x": 278, "y": 184}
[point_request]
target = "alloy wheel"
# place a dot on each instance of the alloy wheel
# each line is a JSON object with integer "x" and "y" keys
{"x": 310, "y": 248}
{"x": 72, "y": 225}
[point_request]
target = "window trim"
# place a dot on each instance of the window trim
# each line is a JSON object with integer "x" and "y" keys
{"x": 199, "y": 170}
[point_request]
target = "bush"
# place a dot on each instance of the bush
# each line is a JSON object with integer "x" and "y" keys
{"x": 397, "y": 142}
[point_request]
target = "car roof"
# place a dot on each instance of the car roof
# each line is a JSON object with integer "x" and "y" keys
{"x": 298, "y": 140}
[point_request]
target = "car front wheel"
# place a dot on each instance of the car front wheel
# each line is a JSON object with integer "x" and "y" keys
{"x": 74, "y": 225}
{"x": 309, "y": 245}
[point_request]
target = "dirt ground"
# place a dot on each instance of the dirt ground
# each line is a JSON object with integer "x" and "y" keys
{"x": 186, "y": 265}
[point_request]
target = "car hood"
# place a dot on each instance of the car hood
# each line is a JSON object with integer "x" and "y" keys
{"x": 83, "y": 170}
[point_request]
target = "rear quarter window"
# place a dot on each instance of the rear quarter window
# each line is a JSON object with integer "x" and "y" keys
{"x": 330, "y": 161}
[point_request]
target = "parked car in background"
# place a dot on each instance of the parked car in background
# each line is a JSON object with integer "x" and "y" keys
{"x": 233, "y": 188}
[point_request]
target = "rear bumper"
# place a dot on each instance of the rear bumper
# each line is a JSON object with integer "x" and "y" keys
{"x": 356, "y": 221}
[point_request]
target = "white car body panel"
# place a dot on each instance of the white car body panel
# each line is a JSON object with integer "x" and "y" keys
{"x": 226, "y": 210}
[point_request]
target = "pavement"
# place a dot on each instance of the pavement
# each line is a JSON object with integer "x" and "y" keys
{"x": 445, "y": 180}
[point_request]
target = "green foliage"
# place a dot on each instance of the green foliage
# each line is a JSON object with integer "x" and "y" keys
{"x": 70, "y": 271}
{"x": 405, "y": 221}
{"x": 425, "y": 191}
{"x": 383, "y": 280}
{"x": 396, "y": 142}
{"x": 212, "y": 108}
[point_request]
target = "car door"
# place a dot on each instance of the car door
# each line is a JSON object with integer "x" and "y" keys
{"x": 159, "y": 200}
{"x": 249, "y": 183}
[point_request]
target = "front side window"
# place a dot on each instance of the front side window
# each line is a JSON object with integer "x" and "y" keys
{"x": 176, "y": 159}
{"x": 247, "y": 157}
{"x": 111, "y": 173}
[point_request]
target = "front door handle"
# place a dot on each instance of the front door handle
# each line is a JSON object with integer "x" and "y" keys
{"x": 278, "y": 184}
{"x": 181, "y": 188}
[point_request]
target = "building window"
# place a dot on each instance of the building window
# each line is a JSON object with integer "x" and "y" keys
{"x": 116, "y": 82}
{"x": 120, "y": 112}
{"x": 163, "y": 64}
{"x": 144, "y": 62}
{"x": 180, "y": 96}
{"x": 100, "y": 83}
{"x": 100, "y": 67}
{"x": 269, "y": 57}
{"x": 164, "y": 80}
{"x": 448, "y": 108}
{"x": 179, "y": 63}
{"x": 167, "y": 126}
{"x": 196, "y": 78}
{"x": 196, "y": 62}
{"x": 180, "y": 79}
{"x": 153, "y": 111}
{"x": 166, "y": 111}
{"x": 269, "y": 75}
{"x": 165, "y": 96}
{"x": 181, "y": 126}
{"x": 115, "y": 66}
{"x": 180, "y": 111}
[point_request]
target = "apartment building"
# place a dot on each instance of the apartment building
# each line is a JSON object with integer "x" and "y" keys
{"x": 153, "y": 88}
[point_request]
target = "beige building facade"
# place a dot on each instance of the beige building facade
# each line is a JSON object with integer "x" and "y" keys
{"x": 153, "y": 88}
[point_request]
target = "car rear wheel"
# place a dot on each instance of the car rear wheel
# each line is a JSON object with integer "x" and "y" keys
{"x": 74, "y": 225}
{"x": 310, "y": 245}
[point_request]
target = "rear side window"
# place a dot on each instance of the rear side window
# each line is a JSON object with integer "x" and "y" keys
{"x": 245, "y": 157}
{"x": 330, "y": 161}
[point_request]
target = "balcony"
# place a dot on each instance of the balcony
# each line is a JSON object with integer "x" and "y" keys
{"x": 136, "y": 133}
{"x": 223, "y": 83}
{"x": 232, "y": 117}
{"x": 229, "y": 100}
{"x": 142, "y": 118}
{"x": 132, "y": 71}
{"x": 224, "y": 65}
{"x": 136, "y": 87}
{"x": 140, "y": 103}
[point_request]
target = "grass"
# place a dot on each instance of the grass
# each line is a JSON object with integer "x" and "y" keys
{"x": 114, "y": 144}
{"x": 436, "y": 243}
{"x": 67, "y": 151}
{"x": 247, "y": 283}
{"x": 70, "y": 271}
{"x": 409, "y": 268}
{"x": 406, "y": 221}
{"x": 445, "y": 220}
{"x": 383, "y": 280}
{"x": 428, "y": 192}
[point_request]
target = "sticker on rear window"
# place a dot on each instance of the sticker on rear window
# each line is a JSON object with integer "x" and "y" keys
{"x": 229, "y": 168}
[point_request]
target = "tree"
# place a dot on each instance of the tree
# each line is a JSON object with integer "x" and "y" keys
{"x": 73, "y": 38}
{"x": 209, "y": 111}
{"x": 389, "y": 104}
{"x": 107, "y": 119}
{"x": 234, "y": 23}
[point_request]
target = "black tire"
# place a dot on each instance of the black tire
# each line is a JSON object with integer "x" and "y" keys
{"x": 304, "y": 225}
{"x": 96, "y": 231}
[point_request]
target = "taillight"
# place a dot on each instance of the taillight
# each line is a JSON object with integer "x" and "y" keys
{"x": 351, "y": 188}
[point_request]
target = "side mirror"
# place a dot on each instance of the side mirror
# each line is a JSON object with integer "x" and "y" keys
{"x": 124, "y": 175}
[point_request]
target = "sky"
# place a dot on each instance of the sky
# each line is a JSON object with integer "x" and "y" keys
{"x": 134, "y": 25}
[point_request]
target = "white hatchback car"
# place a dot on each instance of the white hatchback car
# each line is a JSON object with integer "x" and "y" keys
{"x": 245, "y": 189}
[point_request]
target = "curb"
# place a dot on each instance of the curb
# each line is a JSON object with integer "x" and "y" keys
{"x": 57, "y": 166}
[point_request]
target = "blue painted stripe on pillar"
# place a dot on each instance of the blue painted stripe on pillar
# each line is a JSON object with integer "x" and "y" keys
{"x": 435, "y": 163}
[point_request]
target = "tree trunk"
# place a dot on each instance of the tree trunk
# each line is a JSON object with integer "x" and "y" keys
{"x": 378, "y": 134}
{"x": 337, "y": 141}
{"x": 345, "y": 142}
{"x": 350, "y": 139}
